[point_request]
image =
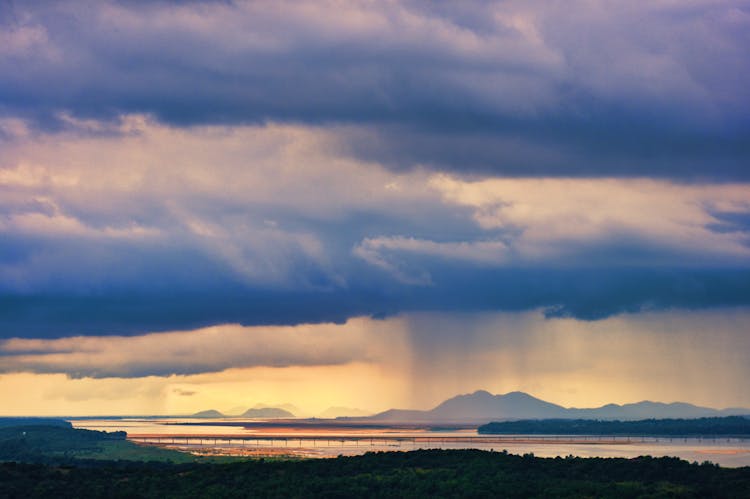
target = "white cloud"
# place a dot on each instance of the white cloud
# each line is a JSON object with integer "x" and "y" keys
{"x": 376, "y": 252}
{"x": 550, "y": 214}
{"x": 581, "y": 222}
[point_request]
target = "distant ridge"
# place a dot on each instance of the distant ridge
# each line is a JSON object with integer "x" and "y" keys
{"x": 482, "y": 406}
{"x": 267, "y": 412}
{"x": 342, "y": 412}
{"x": 241, "y": 411}
{"x": 211, "y": 413}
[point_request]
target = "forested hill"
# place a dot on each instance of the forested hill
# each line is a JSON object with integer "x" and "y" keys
{"x": 31, "y": 421}
{"x": 730, "y": 425}
{"x": 60, "y": 445}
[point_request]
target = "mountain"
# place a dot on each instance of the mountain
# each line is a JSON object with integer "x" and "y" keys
{"x": 267, "y": 412}
{"x": 211, "y": 413}
{"x": 482, "y": 406}
{"x": 342, "y": 412}
{"x": 479, "y": 406}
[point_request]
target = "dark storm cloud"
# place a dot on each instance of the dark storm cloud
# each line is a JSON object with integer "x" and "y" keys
{"x": 582, "y": 294}
{"x": 516, "y": 88}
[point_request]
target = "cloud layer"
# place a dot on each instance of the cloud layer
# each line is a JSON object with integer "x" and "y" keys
{"x": 144, "y": 227}
{"x": 512, "y": 88}
{"x": 175, "y": 165}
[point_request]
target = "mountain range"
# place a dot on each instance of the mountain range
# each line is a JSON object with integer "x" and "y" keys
{"x": 254, "y": 412}
{"x": 482, "y": 406}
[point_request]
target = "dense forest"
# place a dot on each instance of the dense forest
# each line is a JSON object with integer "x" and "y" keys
{"x": 726, "y": 426}
{"x": 425, "y": 473}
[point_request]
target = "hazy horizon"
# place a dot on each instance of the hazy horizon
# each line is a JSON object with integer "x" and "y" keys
{"x": 301, "y": 412}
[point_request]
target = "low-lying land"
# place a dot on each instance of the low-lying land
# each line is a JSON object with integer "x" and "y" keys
{"x": 59, "y": 444}
{"x": 723, "y": 426}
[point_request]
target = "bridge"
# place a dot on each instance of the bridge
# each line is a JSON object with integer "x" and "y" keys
{"x": 323, "y": 440}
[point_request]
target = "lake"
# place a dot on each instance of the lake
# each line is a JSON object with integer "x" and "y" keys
{"x": 324, "y": 438}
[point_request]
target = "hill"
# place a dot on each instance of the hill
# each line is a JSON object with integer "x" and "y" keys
{"x": 60, "y": 444}
{"x": 255, "y": 412}
{"x": 211, "y": 413}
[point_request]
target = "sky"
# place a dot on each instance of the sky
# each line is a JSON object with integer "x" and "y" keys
{"x": 216, "y": 204}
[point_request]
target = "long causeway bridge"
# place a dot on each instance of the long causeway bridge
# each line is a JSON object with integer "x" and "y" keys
{"x": 322, "y": 440}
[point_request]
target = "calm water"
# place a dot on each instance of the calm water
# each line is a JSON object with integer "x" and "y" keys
{"x": 333, "y": 441}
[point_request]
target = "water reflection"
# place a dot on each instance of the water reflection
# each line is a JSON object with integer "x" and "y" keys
{"x": 330, "y": 439}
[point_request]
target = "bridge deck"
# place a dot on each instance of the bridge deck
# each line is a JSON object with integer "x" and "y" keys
{"x": 193, "y": 439}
